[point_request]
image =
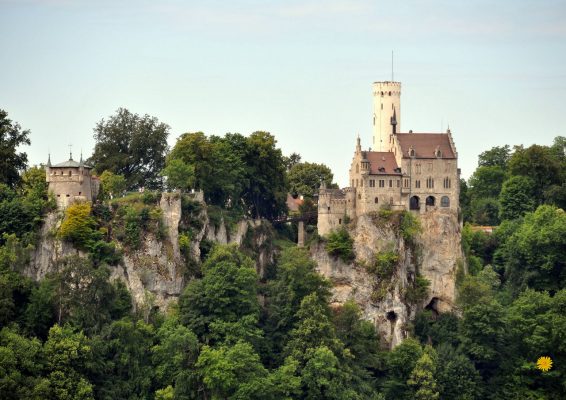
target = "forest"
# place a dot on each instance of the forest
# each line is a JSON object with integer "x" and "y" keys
{"x": 235, "y": 334}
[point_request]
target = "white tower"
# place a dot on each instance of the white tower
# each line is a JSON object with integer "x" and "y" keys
{"x": 386, "y": 113}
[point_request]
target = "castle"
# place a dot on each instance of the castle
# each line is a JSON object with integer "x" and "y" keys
{"x": 71, "y": 181}
{"x": 414, "y": 171}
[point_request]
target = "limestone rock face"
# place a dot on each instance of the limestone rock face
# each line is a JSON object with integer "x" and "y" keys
{"x": 434, "y": 254}
{"x": 154, "y": 273}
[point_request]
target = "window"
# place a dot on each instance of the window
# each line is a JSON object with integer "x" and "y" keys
{"x": 430, "y": 183}
{"x": 376, "y": 200}
{"x": 357, "y": 168}
{"x": 339, "y": 221}
{"x": 406, "y": 183}
{"x": 328, "y": 208}
{"x": 418, "y": 168}
{"x": 445, "y": 201}
{"x": 414, "y": 203}
{"x": 69, "y": 173}
{"x": 356, "y": 183}
{"x": 447, "y": 167}
{"x": 359, "y": 196}
{"x": 447, "y": 183}
{"x": 418, "y": 184}
{"x": 352, "y": 183}
{"x": 398, "y": 182}
{"x": 390, "y": 183}
{"x": 381, "y": 183}
{"x": 80, "y": 193}
{"x": 430, "y": 200}
{"x": 372, "y": 183}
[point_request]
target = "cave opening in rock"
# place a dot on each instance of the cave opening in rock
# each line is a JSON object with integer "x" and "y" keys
{"x": 391, "y": 316}
{"x": 433, "y": 306}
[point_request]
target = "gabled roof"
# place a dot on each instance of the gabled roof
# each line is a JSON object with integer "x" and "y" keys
{"x": 381, "y": 162}
{"x": 425, "y": 144}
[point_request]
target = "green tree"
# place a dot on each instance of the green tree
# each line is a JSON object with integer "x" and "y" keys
{"x": 112, "y": 184}
{"x": 266, "y": 194}
{"x": 497, "y": 156}
{"x": 131, "y": 145}
{"x": 67, "y": 354}
{"x": 174, "y": 357}
{"x": 538, "y": 163}
{"x": 296, "y": 278}
{"x": 422, "y": 377}
{"x": 85, "y": 298}
{"x": 486, "y": 181}
{"x": 305, "y": 178}
{"x": 456, "y": 375}
{"x": 124, "y": 348}
{"x": 516, "y": 197}
{"x": 11, "y": 162}
{"x": 179, "y": 175}
{"x": 400, "y": 363}
{"x": 226, "y": 293}
{"x": 21, "y": 366}
{"x": 234, "y": 372}
{"x": 534, "y": 253}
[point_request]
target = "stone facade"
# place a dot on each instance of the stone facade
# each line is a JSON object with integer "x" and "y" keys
{"x": 71, "y": 181}
{"x": 417, "y": 171}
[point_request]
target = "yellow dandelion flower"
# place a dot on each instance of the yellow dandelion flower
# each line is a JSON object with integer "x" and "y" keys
{"x": 544, "y": 363}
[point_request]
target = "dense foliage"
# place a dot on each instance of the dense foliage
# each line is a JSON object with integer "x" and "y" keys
{"x": 132, "y": 146}
{"x": 235, "y": 335}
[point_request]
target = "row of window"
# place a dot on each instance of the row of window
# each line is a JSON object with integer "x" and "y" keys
{"x": 447, "y": 183}
{"x": 63, "y": 173}
{"x": 429, "y": 167}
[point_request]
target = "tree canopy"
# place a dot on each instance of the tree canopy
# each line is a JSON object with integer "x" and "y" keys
{"x": 131, "y": 145}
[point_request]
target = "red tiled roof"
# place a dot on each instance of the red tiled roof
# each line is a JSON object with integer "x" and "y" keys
{"x": 292, "y": 203}
{"x": 425, "y": 144}
{"x": 381, "y": 159}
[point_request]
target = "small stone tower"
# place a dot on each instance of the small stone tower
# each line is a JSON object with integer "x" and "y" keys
{"x": 71, "y": 181}
{"x": 386, "y": 113}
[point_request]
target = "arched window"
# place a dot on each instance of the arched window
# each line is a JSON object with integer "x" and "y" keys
{"x": 430, "y": 200}
{"x": 414, "y": 203}
{"x": 445, "y": 201}
{"x": 69, "y": 173}
{"x": 429, "y": 182}
{"x": 376, "y": 200}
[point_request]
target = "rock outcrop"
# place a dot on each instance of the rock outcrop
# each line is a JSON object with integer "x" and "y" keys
{"x": 433, "y": 254}
{"x": 154, "y": 273}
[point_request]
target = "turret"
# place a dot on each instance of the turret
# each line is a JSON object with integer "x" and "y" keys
{"x": 386, "y": 110}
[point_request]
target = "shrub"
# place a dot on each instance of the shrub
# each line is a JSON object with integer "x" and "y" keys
{"x": 384, "y": 265}
{"x": 340, "y": 244}
{"x": 418, "y": 291}
{"x": 78, "y": 225}
{"x": 410, "y": 226}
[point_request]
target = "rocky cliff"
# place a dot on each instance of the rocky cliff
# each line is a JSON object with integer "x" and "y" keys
{"x": 155, "y": 273}
{"x": 434, "y": 253}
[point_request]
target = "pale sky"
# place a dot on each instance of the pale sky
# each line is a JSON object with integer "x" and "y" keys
{"x": 302, "y": 70}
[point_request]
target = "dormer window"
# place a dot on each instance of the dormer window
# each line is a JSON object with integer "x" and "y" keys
{"x": 437, "y": 152}
{"x": 411, "y": 152}
{"x": 381, "y": 169}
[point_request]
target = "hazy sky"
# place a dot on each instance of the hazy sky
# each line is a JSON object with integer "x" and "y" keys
{"x": 302, "y": 70}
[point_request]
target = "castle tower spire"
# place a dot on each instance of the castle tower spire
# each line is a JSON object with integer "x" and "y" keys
{"x": 358, "y": 145}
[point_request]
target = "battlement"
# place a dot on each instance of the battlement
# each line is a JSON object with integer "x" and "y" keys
{"x": 387, "y": 84}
